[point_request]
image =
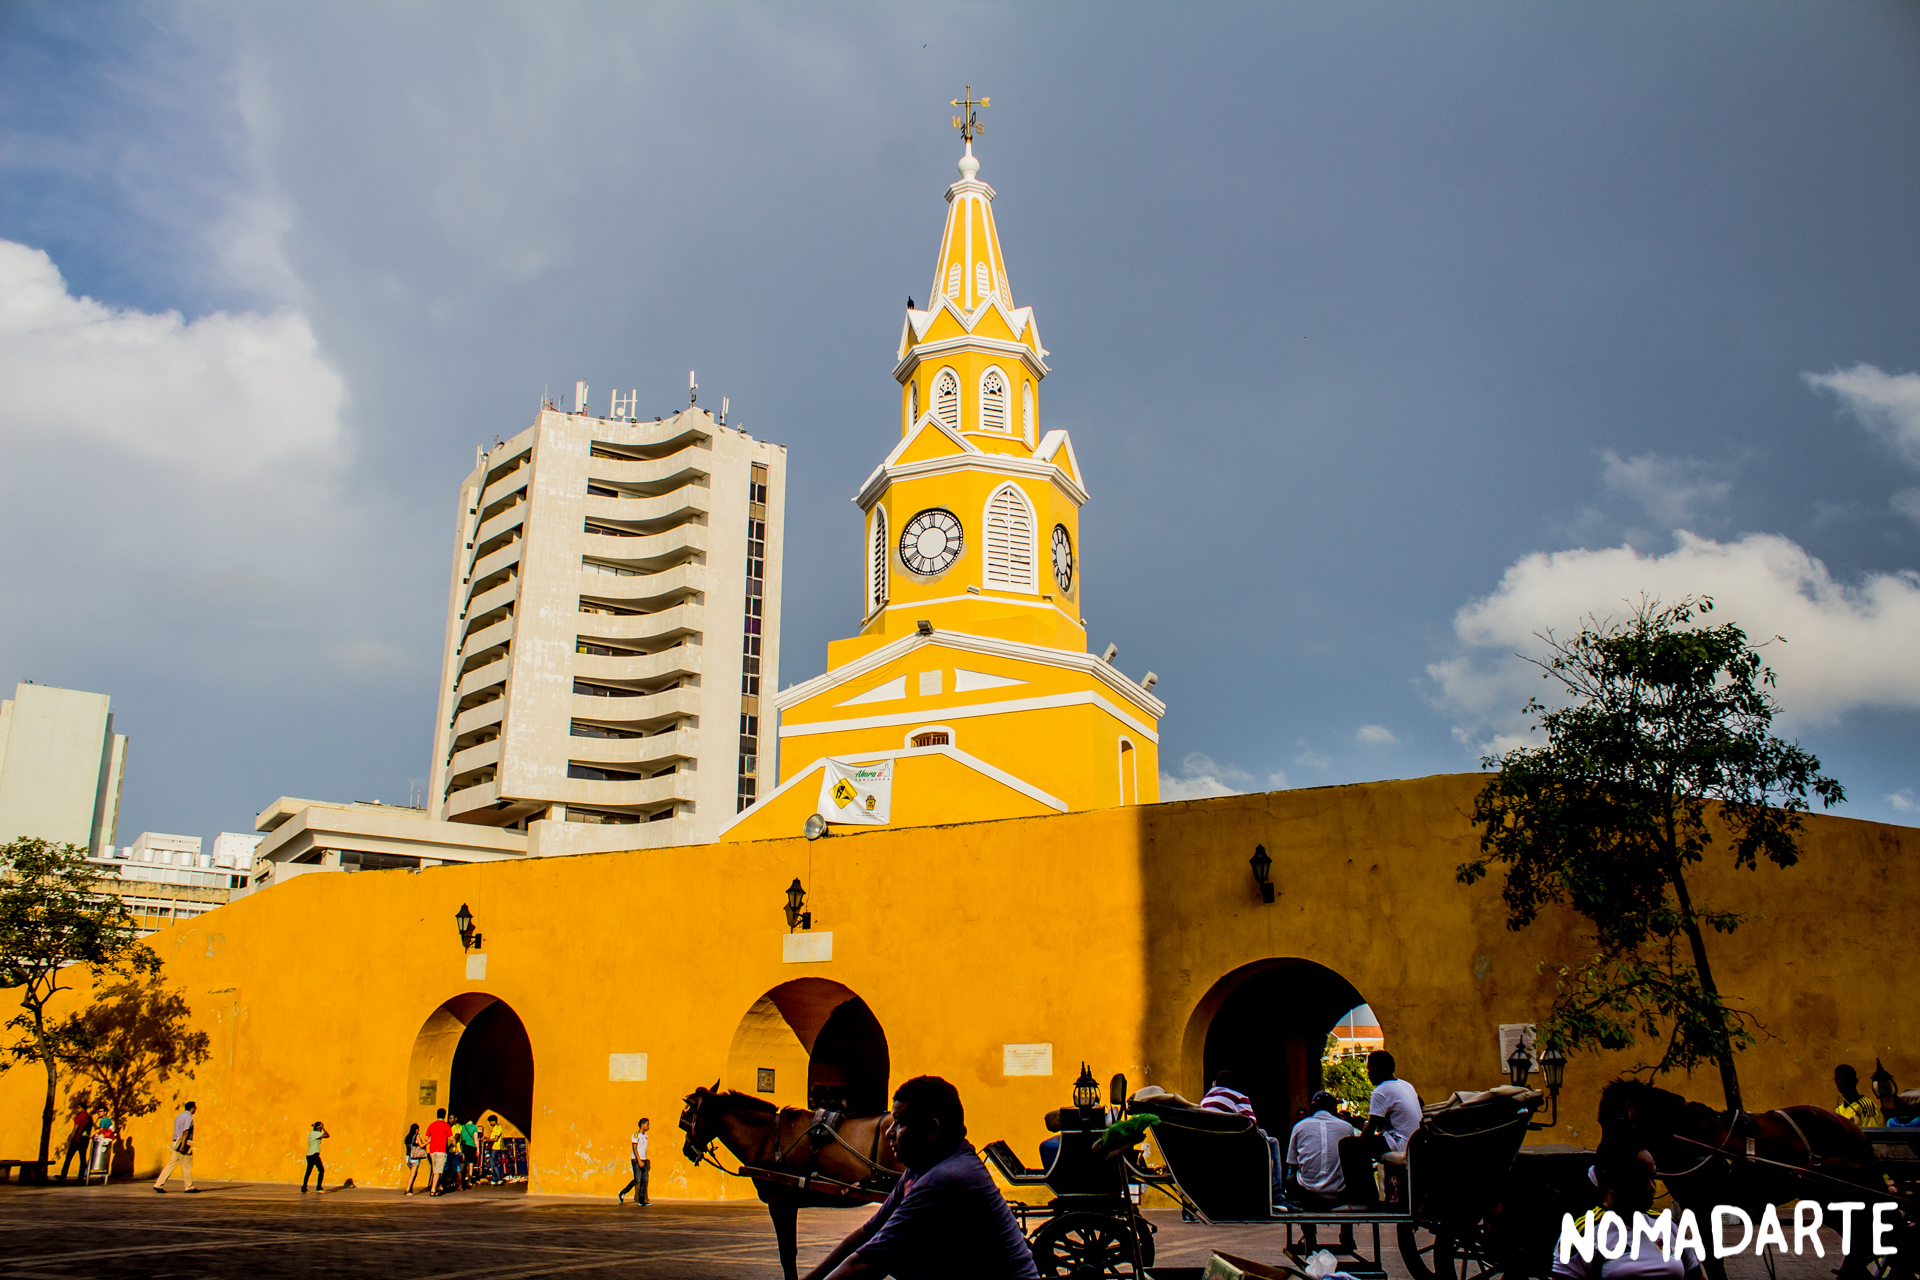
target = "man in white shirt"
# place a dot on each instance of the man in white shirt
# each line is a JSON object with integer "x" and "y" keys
{"x": 1393, "y": 1113}
{"x": 180, "y": 1155}
{"x": 642, "y": 1166}
{"x": 1313, "y": 1153}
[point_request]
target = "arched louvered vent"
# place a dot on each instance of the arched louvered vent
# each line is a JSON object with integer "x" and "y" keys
{"x": 993, "y": 401}
{"x": 1009, "y": 540}
{"x": 1026, "y": 410}
{"x": 953, "y": 281}
{"x": 877, "y": 587}
{"x": 982, "y": 281}
{"x": 946, "y": 399}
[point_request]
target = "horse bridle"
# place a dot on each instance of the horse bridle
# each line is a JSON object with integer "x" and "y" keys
{"x": 1719, "y": 1151}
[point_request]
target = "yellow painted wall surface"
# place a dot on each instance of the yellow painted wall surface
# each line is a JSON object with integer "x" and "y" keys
{"x": 1103, "y": 933}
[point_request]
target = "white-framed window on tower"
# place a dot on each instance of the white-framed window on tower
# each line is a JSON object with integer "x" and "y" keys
{"x": 877, "y": 563}
{"x": 1026, "y": 410}
{"x": 993, "y": 401}
{"x": 913, "y": 403}
{"x": 946, "y": 398}
{"x": 1009, "y": 540}
{"x": 982, "y": 281}
{"x": 953, "y": 282}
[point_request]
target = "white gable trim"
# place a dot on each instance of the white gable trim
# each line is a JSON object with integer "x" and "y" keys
{"x": 927, "y": 419}
{"x": 1047, "y": 702}
{"x": 958, "y": 756}
{"x": 1051, "y": 444}
{"x": 1000, "y": 464}
{"x": 966, "y": 643}
{"x": 891, "y": 691}
{"x": 967, "y": 342}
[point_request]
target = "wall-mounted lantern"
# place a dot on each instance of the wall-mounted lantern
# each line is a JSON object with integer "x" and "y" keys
{"x": 469, "y": 936}
{"x": 1086, "y": 1090}
{"x": 1553, "y": 1070}
{"x": 797, "y": 899}
{"x": 1262, "y": 872}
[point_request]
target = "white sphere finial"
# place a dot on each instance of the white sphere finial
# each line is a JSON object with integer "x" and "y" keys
{"x": 968, "y": 165}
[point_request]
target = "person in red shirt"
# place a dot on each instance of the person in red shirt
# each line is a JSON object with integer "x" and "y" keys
{"x": 78, "y": 1139}
{"x": 437, "y": 1134}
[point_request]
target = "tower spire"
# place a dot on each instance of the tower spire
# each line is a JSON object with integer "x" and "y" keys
{"x": 970, "y": 270}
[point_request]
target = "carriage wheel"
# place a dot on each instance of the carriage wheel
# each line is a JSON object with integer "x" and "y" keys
{"x": 1084, "y": 1246}
{"x": 1445, "y": 1256}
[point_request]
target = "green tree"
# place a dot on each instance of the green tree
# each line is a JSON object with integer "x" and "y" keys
{"x": 132, "y": 1039}
{"x": 53, "y": 915}
{"x": 1665, "y": 736}
{"x": 1345, "y": 1077}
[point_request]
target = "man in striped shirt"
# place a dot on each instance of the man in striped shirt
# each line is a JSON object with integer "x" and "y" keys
{"x": 1226, "y": 1097}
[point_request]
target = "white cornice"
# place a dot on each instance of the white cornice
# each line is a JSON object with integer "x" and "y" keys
{"x": 990, "y": 646}
{"x": 1005, "y": 464}
{"x": 926, "y": 351}
{"x": 968, "y": 711}
{"x": 978, "y": 765}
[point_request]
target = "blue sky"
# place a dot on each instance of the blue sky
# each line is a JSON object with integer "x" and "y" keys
{"x": 1387, "y": 335}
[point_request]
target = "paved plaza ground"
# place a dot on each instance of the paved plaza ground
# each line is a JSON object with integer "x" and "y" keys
{"x": 265, "y": 1229}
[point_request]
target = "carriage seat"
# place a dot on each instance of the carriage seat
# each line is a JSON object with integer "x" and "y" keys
{"x": 1011, "y": 1167}
{"x": 1219, "y": 1160}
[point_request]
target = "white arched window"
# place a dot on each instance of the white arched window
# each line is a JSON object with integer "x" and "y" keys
{"x": 982, "y": 281}
{"x": 1026, "y": 411}
{"x": 953, "y": 281}
{"x": 913, "y": 404}
{"x": 993, "y": 401}
{"x": 877, "y": 574}
{"x": 1009, "y": 540}
{"x": 946, "y": 398}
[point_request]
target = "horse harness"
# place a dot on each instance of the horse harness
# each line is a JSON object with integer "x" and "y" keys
{"x": 1734, "y": 1126}
{"x": 826, "y": 1127}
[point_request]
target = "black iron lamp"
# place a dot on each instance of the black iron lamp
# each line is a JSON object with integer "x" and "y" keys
{"x": 1519, "y": 1066}
{"x": 1262, "y": 872}
{"x": 1553, "y": 1070}
{"x": 796, "y": 899}
{"x": 1086, "y": 1090}
{"x": 469, "y": 936}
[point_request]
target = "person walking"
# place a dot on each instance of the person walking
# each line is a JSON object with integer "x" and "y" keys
{"x": 80, "y": 1137}
{"x": 437, "y": 1134}
{"x": 642, "y": 1166}
{"x": 469, "y": 1135}
{"x": 415, "y": 1147}
{"x": 181, "y": 1153}
{"x": 314, "y": 1163}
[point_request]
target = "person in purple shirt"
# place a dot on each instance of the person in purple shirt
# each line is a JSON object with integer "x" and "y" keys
{"x": 945, "y": 1218}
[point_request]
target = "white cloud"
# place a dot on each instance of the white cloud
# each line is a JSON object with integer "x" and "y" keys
{"x": 1907, "y": 503}
{"x": 1375, "y": 735}
{"x": 1309, "y": 758}
{"x": 1200, "y": 777}
{"x": 1903, "y": 801}
{"x": 1674, "y": 491}
{"x": 1848, "y": 646}
{"x": 1887, "y": 404}
{"x": 225, "y": 395}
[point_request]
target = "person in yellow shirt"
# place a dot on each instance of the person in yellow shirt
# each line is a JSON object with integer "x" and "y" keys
{"x": 496, "y": 1149}
{"x": 1861, "y": 1108}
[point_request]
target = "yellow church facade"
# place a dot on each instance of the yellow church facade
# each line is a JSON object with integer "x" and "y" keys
{"x": 968, "y": 677}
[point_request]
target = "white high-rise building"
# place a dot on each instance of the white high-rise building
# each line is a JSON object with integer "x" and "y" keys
{"x": 613, "y": 619}
{"x": 60, "y": 764}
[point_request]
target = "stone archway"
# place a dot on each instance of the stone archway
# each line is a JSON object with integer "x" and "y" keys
{"x": 821, "y": 1044}
{"x": 473, "y": 1057}
{"x": 1267, "y": 1022}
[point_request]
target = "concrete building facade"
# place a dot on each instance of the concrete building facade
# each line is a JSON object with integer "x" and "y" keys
{"x": 60, "y": 765}
{"x": 612, "y": 619}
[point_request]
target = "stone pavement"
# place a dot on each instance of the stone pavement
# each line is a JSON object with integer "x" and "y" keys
{"x": 270, "y": 1229}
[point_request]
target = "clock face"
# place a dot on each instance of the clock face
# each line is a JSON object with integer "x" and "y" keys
{"x": 1062, "y": 557}
{"x": 931, "y": 542}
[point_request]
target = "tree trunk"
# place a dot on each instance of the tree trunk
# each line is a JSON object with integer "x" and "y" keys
{"x": 1722, "y": 1044}
{"x": 46, "y": 1116}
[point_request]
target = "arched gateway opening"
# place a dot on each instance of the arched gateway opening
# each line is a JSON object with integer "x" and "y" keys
{"x": 1268, "y": 1023}
{"x": 474, "y": 1058}
{"x": 811, "y": 1043}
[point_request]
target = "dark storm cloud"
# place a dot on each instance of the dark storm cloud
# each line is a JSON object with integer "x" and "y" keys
{"x": 1352, "y": 308}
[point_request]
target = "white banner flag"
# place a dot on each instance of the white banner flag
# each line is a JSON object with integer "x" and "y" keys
{"x": 857, "y": 794}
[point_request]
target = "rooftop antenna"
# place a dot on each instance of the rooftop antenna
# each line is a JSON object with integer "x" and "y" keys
{"x": 693, "y": 389}
{"x": 724, "y": 405}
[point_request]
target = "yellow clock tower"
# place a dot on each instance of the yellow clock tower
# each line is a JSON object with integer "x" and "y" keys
{"x": 967, "y": 690}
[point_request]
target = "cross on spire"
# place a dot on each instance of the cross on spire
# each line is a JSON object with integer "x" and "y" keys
{"x": 969, "y": 124}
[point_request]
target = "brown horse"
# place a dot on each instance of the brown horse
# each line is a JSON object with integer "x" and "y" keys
{"x": 1709, "y": 1157}
{"x": 797, "y": 1159}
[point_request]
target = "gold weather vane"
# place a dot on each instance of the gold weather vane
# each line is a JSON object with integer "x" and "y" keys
{"x": 969, "y": 123}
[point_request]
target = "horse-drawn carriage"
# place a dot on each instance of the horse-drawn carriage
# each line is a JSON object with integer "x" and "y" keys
{"x": 1447, "y": 1203}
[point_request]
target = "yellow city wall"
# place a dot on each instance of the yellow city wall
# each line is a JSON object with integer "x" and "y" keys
{"x": 1100, "y": 932}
